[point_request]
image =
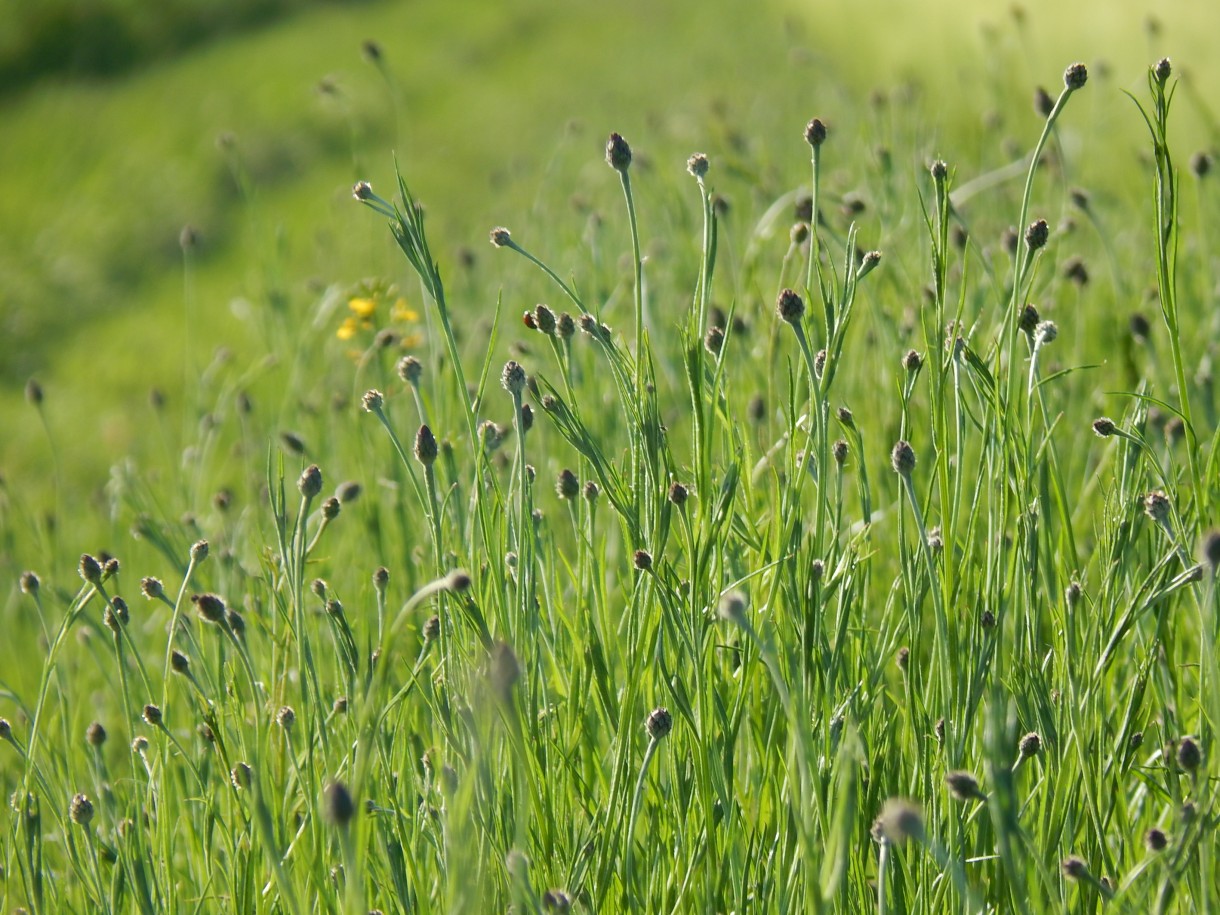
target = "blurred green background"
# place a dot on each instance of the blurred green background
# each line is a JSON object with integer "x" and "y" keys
{"x": 124, "y": 122}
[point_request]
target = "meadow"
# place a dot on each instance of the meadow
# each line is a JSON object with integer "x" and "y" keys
{"x": 798, "y": 491}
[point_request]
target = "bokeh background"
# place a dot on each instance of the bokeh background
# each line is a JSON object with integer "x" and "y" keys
{"x": 123, "y": 121}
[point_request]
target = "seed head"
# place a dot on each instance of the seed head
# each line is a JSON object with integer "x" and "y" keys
{"x": 1156, "y": 506}
{"x": 898, "y": 821}
{"x": 292, "y": 442}
{"x": 210, "y": 607}
{"x": 286, "y": 717}
{"x": 1075, "y": 76}
{"x": 459, "y": 580}
{"x": 372, "y": 401}
{"x": 504, "y": 671}
{"x": 425, "y": 446}
{"x": 1043, "y": 103}
{"x": 642, "y": 560}
{"x": 362, "y": 190}
{"x": 964, "y": 786}
{"x": 331, "y": 508}
{"x": 1189, "y": 754}
{"x": 139, "y": 744}
{"x": 180, "y": 663}
{"x": 432, "y": 629}
{"x": 1029, "y": 745}
{"x": 152, "y": 715}
{"x": 713, "y": 340}
{"x": 199, "y": 551}
{"x": 95, "y": 734}
{"x": 90, "y": 569}
{"x": 1045, "y": 332}
{"x": 310, "y": 483}
{"x": 1104, "y": 427}
{"x": 912, "y": 361}
{"x": 29, "y": 583}
{"x": 527, "y": 417}
{"x": 567, "y": 486}
{"x": 815, "y": 133}
{"x": 513, "y": 377}
{"x": 339, "y": 707}
{"x": 659, "y": 723}
{"x": 799, "y": 233}
{"x": 1074, "y": 868}
{"x": 840, "y": 451}
{"x": 1162, "y": 70}
{"x": 565, "y": 326}
{"x": 241, "y": 775}
{"x": 1211, "y": 550}
{"x": 845, "y": 416}
{"x": 733, "y": 607}
{"x": 1074, "y": 269}
{"x": 557, "y": 902}
{"x": 1027, "y": 320}
{"x": 868, "y": 264}
{"x": 1037, "y": 234}
{"x": 80, "y": 810}
{"x": 939, "y": 170}
{"x": 1200, "y": 164}
{"x": 410, "y": 369}
{"x": 903, "y": 458}
{"x": 618, "y": 153}
{"x": 152, "y": 588}
{"x": 790, "y": 307}
{"x": 697, "y": 165}
{"x": 678, "y": 493}
{"x": 591, "y": 492}
{"x": 1155, "y": 840}
{"x": 6, "y": 730}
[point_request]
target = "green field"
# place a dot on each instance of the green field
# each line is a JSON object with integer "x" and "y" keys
{"x": 781, "y": 577}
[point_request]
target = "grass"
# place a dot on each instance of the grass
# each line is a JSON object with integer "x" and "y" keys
{"x": 752, "y": 572}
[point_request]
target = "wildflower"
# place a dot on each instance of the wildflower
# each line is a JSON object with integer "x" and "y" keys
{"x": 1075, "y": 76}
{"x": 659, "y": 723}
{"x": 964, "y": 786}
{"x": 1037, "y": 234}
{"x": 403, "y": 313}
{"x": 1189, "y": 754}
{"x": 362, "y": 307}
{"x": 697, "y": 165}
{"x": 310, "y": 482}
{"x": 80, "y": 810}
{"x": 678, "y": 493}
{"x": 95, "y": 734}
{"x": 1211, "y": 550}
{"x": 733, "y": 607}
{"x": 1155, "y": 840}
{"x": 1104, "y": 427}
{"x": 30, "y": 583}
{"x": 1029, "y": 745}
{"x": 152, "y": 715}
{"x": 1200, "y": 164}
{"x": 372, "y": 400}
{"x": 500, "y": 237}
{"x": 152, "y": 588}
{"x": 1156, "y": 506}
{"x": 912, "y": 361}
{"x": 839, "y": 451}
{"x": 90, "y": 569}
{"x": 713, "y": 340}
{"x": 241, "y": 775}
{"x": 618, "y": 153}
{"x": 567, "y": 486}
{"x": 1163, "y": 70}
{"x": 903, "y": 658}
{"x": 210, "y": 607}
{"x": 286, "y": 717}
{"x": 1074, "y": 868}
{"x": 425, "y": 446}
{"x": 902, "y": 457}
{"x": 199, "y": 551}
{"x": 1045, "y": 332}
{"x": 790, "y": 307}
{"x": 815, "y": 133}
{"x": 868, "y": 264}
{"x": 898, "y": 821}
{"x": 513, "y": 377}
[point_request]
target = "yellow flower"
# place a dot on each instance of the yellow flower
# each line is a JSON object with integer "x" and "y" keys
{"x": 347, "y": 329}
{"x": 362, "y": 308}
{"x": 410, "y": 341}
{"x": 404, "y": 312}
